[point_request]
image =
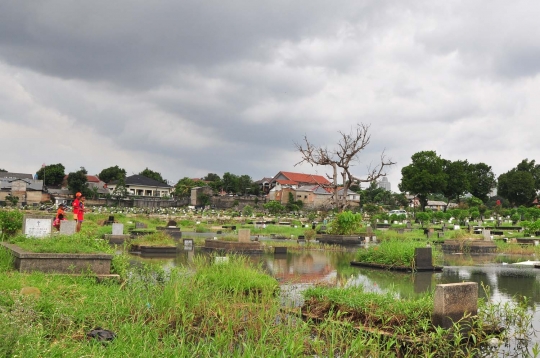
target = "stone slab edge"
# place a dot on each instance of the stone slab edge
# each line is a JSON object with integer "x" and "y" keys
{"x": 20, "y": 253}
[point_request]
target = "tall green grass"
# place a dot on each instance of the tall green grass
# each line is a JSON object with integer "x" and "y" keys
{"x": 391, "y": 253}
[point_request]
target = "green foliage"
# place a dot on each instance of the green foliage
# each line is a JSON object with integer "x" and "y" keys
{"x": 54, "y": 174}
{"x": 238, "y": 275}
{"x": 247, "y": 211}
{"x": 423, "y": 217}
{"x": 518, "y": 186}
{"x": 530, "y": 227}
{"x": 481, "y": 180}
{"x": 155, "y": 238}
{"x": 204, "y": 199}
{"x": 12, "y": 199}
{"x": 310, "y": 234}
{"x": 346, "y": 223}
{"x": 11, "y": 221}
{"x": 183, "y": 188}
{"x": 120, "y": 191}
{"x": 391, "y": 253}
{"x": 457, "y": 179}
{"x": 274, "y": 207}
{"x": 293, "y": 205}
{"x": 77, "y": 243}
{"x": 112, "y": 173}
{"x": 77, "y": 182}
{"x": 153, "y": 175}
{"x": 424, "y": 176}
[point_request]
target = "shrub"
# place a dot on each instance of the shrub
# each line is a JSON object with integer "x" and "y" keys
{"x": 346, "y": 223}
{"x": 11, "y": 222}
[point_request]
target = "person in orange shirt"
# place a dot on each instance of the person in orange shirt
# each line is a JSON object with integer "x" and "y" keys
{"x": 60, "y": 215}
{"x": 75, "y": 205}
{"x": 80, "y": 213}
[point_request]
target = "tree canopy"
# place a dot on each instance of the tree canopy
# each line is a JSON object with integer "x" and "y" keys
{"x": 481, "y": 181}
{"x": 518, "y": 185}
{"x": 153, "y": 175}
{"x": 457, "y": 179}
{"x": 54, "y": 174}
{"x": 183, "y": 188}
{"x": 77, "y": 182}
{"x": 112, "y": 173}
{"x": 423, "y": 176}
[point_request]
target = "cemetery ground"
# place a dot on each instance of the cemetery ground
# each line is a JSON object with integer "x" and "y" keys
{"x": 233, "y": 309}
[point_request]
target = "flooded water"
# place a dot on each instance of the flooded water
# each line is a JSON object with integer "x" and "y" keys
{"x": 298, "y": 270}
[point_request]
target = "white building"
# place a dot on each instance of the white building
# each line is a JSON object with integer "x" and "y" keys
{"x": 384, "y": 183}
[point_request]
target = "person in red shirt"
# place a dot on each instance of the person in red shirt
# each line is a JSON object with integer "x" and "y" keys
{"x": 80, "y": 213}
{"x": 75, "y": 205}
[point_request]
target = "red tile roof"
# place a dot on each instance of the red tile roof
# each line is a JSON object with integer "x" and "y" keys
{"x": 92, "y": 179}
{"x": 305, "y": 178}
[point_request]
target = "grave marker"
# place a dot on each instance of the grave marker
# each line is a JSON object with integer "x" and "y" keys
{"x": 37, "y": 226}
{"x": 67, "y": 227}
{"x": 117, "y": 229}
{"x": 244, "y": 235}
{"x": 453, "y": 301}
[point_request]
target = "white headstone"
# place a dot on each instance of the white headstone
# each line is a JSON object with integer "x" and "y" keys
{"x": 456, "y": 227}
{"x": 67, "y": 227}
{"x": 37, "y": 227}
{"x": 486, "y": 234}
{"x": 117, "y": 229}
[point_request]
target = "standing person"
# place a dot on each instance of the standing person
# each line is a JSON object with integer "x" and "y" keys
{"x": 75, "y": 205}
{"x": 80, "y": 213}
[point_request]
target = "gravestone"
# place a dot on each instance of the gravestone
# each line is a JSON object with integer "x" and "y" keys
{"x": 444, "y": 228}
{"x": 244, "y": 235}
{"x": 440, "y": 234}
{"x": 369, "y": 231}
{"x": 171, "y": 223}
{"x": 117, "y": 229}
{"x": 188, "y": 244}
{"x": 67, "y": 227}
{"x": 456, "y": 227}
{"x": 35, "y": 226}
{"x": 139, "y": 225}
{"x": 423, "y": 257}
{"x": 487, "y": 235}
{"x": 453, "y": 301}
{"x": 409, "y": 226}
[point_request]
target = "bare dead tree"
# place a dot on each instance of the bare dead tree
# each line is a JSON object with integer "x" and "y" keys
{"x": 341, "y": 160}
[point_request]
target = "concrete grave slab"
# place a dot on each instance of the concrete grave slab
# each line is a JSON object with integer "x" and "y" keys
{"x": 67, "y": 227}
{"x": 454, "y": 301}
{"x": 244, "y": 235}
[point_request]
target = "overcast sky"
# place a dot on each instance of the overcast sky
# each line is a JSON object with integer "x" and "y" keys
{"x": 186, "y": 88}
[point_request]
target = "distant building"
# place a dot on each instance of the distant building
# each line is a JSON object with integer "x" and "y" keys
{"x": 384, "y": 184}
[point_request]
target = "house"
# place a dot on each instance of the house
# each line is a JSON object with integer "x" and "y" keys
{"x": 297, "y": 179}
{"x": 29, "y": 191}
{"x": 96, "y": 185}
{"x": 8, "y": 175}
{"x": 140, "y": 185}
{"x": 264, "y": 185}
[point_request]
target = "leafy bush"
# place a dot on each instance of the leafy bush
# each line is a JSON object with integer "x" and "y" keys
{"x": 11, "y": 221}
{"x": 346, "y": 223}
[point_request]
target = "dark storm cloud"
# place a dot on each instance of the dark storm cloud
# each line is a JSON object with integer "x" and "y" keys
{"x": 188, "y": 88}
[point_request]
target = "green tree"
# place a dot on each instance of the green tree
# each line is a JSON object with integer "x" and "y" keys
{"x": 183, "y": 188}
{"x": 457, "y": 179}
{"x": 12, "y": 199}
{"x": 112, "y": 173}
{"x": 533, "y": 168}
{"x": 77, "y": 182}
{"x": 54, "y": 174}
{"x": 247, "y": 211}
{"x": 481, "y": 181}
{"x": 212, "y": 177}
{"x": 230, "y": 183}
{"x": 153, "y": 175}
{"x": 274, "y": 207}
{"x": 3, "y": 170}
{"x": 424, "y": 176}
{"x": 120, "y": 191}
{"x": 517, "y": 186}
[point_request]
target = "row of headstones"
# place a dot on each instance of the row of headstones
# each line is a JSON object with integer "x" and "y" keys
{"x": 37, "y": 226}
